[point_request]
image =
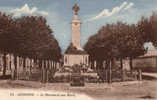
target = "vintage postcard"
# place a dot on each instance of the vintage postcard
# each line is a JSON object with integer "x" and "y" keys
{"x": 78, "y": 49}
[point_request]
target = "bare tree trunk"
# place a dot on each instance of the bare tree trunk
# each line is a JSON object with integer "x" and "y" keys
{"x": 12, "y": 67}
{"x": 121, "y": 68}
{"x": 47, "y": 70}
{"x": 4, "y": 64}
{"x": 121, "y": 63}
{"x": 15, "y": 64}
{"x": 24, "y": 66}
{"x": 110, "y": 71}
{"x": 108, "y": 67}
{"x": 92, "y": 64}
{"x": 55, "y": 67}
{"x": 131, "y": 66}
{"x": 41, "y": 67}
{"x": 24, "y": 62}
{"x": 44, "y": 72}
{"x": 30, "y": 67}
{"x": 112, "y": 63}
{"x": 140, "y": 75}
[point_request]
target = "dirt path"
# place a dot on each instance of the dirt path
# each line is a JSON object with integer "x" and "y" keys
{"x": 146, "y": 90}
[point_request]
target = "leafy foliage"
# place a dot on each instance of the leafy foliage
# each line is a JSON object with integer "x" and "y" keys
{"x": 28, "y": 36}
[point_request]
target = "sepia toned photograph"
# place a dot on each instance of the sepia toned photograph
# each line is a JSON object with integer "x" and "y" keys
{"x": 78, "y": 50}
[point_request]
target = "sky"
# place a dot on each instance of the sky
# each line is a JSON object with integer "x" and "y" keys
{"x": 93, "y": 14}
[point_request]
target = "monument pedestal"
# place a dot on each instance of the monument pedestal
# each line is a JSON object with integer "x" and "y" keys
{"x": 77, "y": 79}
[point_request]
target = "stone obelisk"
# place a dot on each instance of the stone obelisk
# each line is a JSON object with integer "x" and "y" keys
{"x": 76, "y": 24}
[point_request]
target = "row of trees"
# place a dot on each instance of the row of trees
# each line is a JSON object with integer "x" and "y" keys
{"x": 121, "y": 40}
{"x": 27, "y": 36}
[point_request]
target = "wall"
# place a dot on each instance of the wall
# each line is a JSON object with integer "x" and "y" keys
{"x": 147, "y": 63}
{"x": 70, "y": 60}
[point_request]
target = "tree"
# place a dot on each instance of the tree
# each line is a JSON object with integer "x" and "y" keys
{"x": 129, "y": 42}
{"x": 27, "y": 36}
{"x": 101, "y": 45}
{"x": 35, "y": 38}
{"x": 147, "y": 28}
{"x": 153, "y": 24}
{"x": 6, "y": 24}
{"x": 115, "y": 41}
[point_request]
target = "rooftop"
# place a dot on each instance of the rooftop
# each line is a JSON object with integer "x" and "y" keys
{"x": 150, "y": 53}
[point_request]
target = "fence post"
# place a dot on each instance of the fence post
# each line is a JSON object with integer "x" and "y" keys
{"x": 44, "y": 80}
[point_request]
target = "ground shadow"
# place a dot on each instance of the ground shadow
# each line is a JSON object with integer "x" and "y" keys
{"x": 147, "y": 97}
{"x": 5, "y": 77}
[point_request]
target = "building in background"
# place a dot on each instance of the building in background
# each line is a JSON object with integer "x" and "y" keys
{"x": 147, "y": 62}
